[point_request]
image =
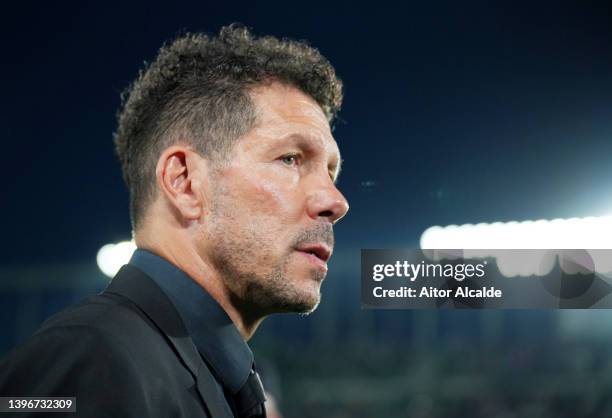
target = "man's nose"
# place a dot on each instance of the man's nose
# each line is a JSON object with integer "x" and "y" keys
{"x": 326, "y": 201}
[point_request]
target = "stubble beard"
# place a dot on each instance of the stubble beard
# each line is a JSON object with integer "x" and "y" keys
{"x": 257, "y": 280}
{"x": 263, "y": 290}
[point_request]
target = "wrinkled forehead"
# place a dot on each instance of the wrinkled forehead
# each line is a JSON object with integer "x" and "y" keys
{"x": 283, "y": 110}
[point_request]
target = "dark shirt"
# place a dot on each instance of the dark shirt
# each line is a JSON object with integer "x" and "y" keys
{"x": 213, "y": 332}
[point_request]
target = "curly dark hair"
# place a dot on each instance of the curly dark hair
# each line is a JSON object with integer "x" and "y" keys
{"x": 197, "y": 92}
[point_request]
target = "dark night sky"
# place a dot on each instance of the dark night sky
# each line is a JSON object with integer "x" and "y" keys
{"x": 455, "y": 113}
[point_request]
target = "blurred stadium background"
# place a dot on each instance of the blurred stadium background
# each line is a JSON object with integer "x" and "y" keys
{"x": 343, "y": 361}
{"x": 454, "y": 113}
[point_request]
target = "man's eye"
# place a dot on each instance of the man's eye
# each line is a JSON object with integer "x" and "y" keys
{"x": 290, "y": 160}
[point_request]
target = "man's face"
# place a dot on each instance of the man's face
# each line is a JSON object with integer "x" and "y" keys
{"x": 273, "y": 204}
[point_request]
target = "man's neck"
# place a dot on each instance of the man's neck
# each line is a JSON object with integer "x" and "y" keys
{"x": 200, "y": 271}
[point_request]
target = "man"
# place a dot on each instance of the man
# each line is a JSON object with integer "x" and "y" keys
{"x": 226, "y": 149}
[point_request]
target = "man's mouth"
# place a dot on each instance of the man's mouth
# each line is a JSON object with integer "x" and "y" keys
{"x": 320, "y": 251}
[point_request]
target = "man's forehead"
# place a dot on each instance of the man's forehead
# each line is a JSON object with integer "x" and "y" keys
{"x": 284, "y": 111}
{"x": 281, "y": 104}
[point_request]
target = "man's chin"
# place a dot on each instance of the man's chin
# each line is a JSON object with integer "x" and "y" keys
{"x": 284, "y": 296}
{"x": 299, "y": 308}
{"x": 309, "y": 306}
{"x": 302, "y": 301}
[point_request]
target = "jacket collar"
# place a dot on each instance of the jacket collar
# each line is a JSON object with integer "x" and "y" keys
{"x": 140, "y": 289}
{"x": 211, "y": 329}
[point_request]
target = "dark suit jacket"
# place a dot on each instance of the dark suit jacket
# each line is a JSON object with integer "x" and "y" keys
{"x": 123, "y": 353}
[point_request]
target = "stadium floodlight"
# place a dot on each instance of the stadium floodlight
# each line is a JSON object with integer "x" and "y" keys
{"x": 481, "y": 240}
{"x": 592, "y": 232}
{"x": 111, "y": 257}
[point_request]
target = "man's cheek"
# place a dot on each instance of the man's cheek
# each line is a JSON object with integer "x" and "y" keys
{"x": 269, "y": 196}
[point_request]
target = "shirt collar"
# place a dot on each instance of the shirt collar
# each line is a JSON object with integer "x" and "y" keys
{"x": 213, "y": 332}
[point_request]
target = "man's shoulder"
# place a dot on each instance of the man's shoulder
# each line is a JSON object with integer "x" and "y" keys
{"x": 105, "y": 324}
{"x": 106, "y": 315}
{"x": 104, "y": 328}
{"x": 100, "y": 343}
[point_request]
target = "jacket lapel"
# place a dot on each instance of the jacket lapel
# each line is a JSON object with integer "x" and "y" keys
{"x": 139, "y": 288}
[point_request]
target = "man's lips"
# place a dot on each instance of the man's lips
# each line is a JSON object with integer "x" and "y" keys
{"x": 321, "y": 251}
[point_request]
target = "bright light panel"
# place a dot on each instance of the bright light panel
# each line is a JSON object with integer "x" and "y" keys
{"x": 481, "y": 240}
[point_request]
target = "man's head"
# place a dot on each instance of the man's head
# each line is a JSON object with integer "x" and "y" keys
{"x": 229, "y": 139}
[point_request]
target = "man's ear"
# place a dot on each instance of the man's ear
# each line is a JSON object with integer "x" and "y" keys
{"x": 179, "y": 175}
